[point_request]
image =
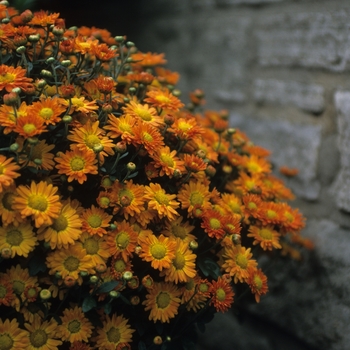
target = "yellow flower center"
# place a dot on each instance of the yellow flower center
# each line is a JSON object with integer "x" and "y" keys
{"x": 253, "y": 167}
{"x": 92, "y": 141}
{"x": 122, "y": 239}
{"x": 220, "y": 294}
{"x": 28, "y": 128}
{"x": 3, "y": 291}
{"x": 14, "y": 237}
{"x": 163, "y": 99}
{"x": 38, "y": 338}
{"x": 203, "y": 287}
{"x": 91, "y": 246}
{"x": 71, "y": 263}
{"x": 113, "y": 335}
{"x": 104, "y": 201}
{"x": 119, "y": 265}
{"x": 2, "y": 168}
{"x": 252, "y": 205}
{"x": 7, "y": 78}
{"x": 37, "y": 202}
{"x": 77, "y": 102}
{"x": 60, "y": 223}
{"x": 183, "y": 126}
{"x": 125, "y": 127}
{"x": 126, "y": 194}
{"x": 74, "y": 326}
{"x": 235, "y": 207}
{"x": 46, "y": 113}
{"x": 190, "y": 284}
{"x": 94, "y": 220}
{"x": 179, "y": 262}
{"x": 6, "y": 342}
{"x": 258, "y": 282}
{"x": 77, "y": 163}
{"x": 179, "y": 231}
{"x": 168, "y": 160}
{"x": 18, "y": 288}
{"x": 271, "y": 214}
{"x": 265, "y": 234}
{"x": 158, "y": 251}
{"x": 289, "y": 216}
{"x": 242, "y": 261}
{"x": 161, "y": 198}
{"x": 147, "y": 137}
{"x": 31, "y": 292}
{"x": 163, "y": 300}
{"x": 214, "y": 223}
{"x": 144, "y": 114}
{"x": 7, "y": 201}
{"x": 196, "y": 198}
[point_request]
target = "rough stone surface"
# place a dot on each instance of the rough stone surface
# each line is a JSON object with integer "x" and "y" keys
{"x": 309, "y": 97}
{"x": 315, "y": 39}
{"x": 294, "y": 145}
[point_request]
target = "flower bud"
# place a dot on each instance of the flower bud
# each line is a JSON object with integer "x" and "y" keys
{"x": 16, "y": 90}
{"x": 5, "y": 20}
{"x": 98, "y": 148}
{"x": 127, "y": 275}
{"x": 57, "y": 30}
{"x": 68, "y": 91}
{"x": 135, "y": 300}
{"x": 67, "y": 119}
{"x": 100, "y": 268}
{"x": 34, "y": 38}
{"x": 107, "y": 108}
{"x": 157, "y": 340}
{"x": 114, "y": 294}
{"x": 66, "y": 63}
{"x": 69, "y": 281}
{"x": 14, "y": 147}
{"x": 131, "y": 166}
{"x": 21, "y": 49}
{"x": 11, "y": 99}
{"x": 210, "y": 171}
{"x": 169, "y": 119}
{"x": 46, "y": 73}
{"x": 94, "y": 279}
{"x": 50, "y": 60}
{"x": 6, "y": 253}
{"x": 41, "y": 83}
{"x": 193, "y": 245}
{"x": 45, "y": 294}
{"x": 121, "y": 147}
{"x": 129, "y": 44}
{"x": 26, "y": 16}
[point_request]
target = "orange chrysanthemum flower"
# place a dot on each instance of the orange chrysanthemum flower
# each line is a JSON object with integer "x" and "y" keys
{"x": 193, "y": 163}
{"x": 84, "y": 45}
{"x": 91, "y": 137}
{"x": 29, "y": 126}
{"x": 12, "y": 336}
{"x": 7, "y": 213}
{"x": 6, "y": 287}
{"x": 163, "y": 300}
{"x": 213, "y": 223}
{"x": 147, "y": 136}
{"x": 256, "y": 165}
{"x": 179, "y": 229}
{"x": 122, "y": 126}
{"x": 238, "y": 262}
{"x": 251, "y": 202}
{"x": 39, "y": 201}
{"x": 119, "y": 266}
{"x": 186, "y": 128}
{"x": 76, "y": 164}
{"x": 104, "y": 84}
{"x": 11, "y": 78}
{"x": 266, "y": 236}
{"x": 166, "y": 76}
{"x": 48, "y": 108}
{"x": 231, "y": 204}
{"x": 257, "y": 282}
{"x": 246, "y": 184}
{"x": 159, "y": 251}
{"x": 8, "y": 116}
{"x": 148, "y": 59}
{"x": 163, "y": 99}
{"x": 293, "y": 220}
{"x": 8, "y": 172}
{"x": 166, "y": 159}
{"x": 270, "y": 213}
{"x": 123, "y": 240}
{"x": 43, "y": 18}
{"x": 159, "y": 200}
{"x": 144, "y": 113}
{"x": 95, "y": 220}
{"x": 222, "y": 295}
{"x": 103, "y": 52}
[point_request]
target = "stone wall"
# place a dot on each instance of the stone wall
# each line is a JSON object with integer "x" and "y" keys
{"x": 281, "y": 67}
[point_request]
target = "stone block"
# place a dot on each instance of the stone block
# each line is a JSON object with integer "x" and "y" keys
{"x": 296, "y": 146}
{"x": 316, "y": 39}
{"x": 341, "y": 186}
{"x": 308, "y": 97}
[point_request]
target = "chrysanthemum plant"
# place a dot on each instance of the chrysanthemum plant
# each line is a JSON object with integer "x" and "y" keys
{"x": 127, "y": 218}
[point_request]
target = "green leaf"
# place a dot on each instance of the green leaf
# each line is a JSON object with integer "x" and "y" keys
{"x": 209, "y": 268}
{"x": 108, "y": 308}
{"x": 107, "y": 287}
{"x": 141, "y": 346}
{"x": 89, "y": 303}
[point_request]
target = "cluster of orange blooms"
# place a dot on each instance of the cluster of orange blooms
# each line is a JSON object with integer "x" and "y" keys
{"x": 126, "y": 217}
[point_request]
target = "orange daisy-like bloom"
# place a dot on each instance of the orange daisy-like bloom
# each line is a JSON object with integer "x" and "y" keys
{"x": 159, "y": 251}
{"x": 95, "y": 220}
{"x": 293, "y": 220}
{"x": 289, "y": 172}
{"x": 147, "y": 136}
{"x": 163, "y": 300}
{"x": 12, "y": 336}
{"x": 103, "y": 52}
{"x": 148, "y": 59}
{"x": 119, "y": 266}
{"x": 48, "y": 108}
{"x": 273, "y": 188}
{"x": 128, "y": 198}
{"x": 231, "y": 204}
{"x": 30, "y": 125}
{"x": 115, "y": 330}
{"x": 251, "y": 202}
{"x": 246, "y": 184}
{"x": 163, "y": 99}
{"x": 69, "y": 261}
{"x": 123, "y": 240}
{"x": 95, "y": 246}
{"x": 186, "y": 128}
{"x": 141, "y": 78}
{"x": 166, "y": 76}
{"x": 6, "y": 290}
{"x": 43, "y": 18}
{"x": 194, "y": 195}
{"x": 256, "y": 165}
{"x": 179, "y": 229}
{"x": 42, "y": 334}
{"x": 8, "y": 118}
{"x": 270, "y": 213}
{"x": 144, "y": 113}
{"x": 7, "y": 213}
{"x": 11, "y": 78}
{"x": 257, "y": 282}
{"x": 166, "y": 159}
{"x": 213, "y": 223}
{"x": 222, "y": 295}
{"x": 78, "y": 345}
{"x": 75, "y": 326}
{"x": 64, "y": 230}
{"x": 238, "y": 262}
{"x": 76, "y": 164}
{"x": 80, "y": 104}
{"x": 104, "y": 84}
{"x": 183, "y": 266}
{"x": 84, "y": 45}
{"x": 20, "y": 239}
{"x": 39, "y": 201}
{"x": 193, "y": 163}
{"x": 122, "y": 126}
{"x": 266, "y": 236}
{"x": 7, "y": 172}
{"x": 90, "y": 137}
{"x": 159, "y": 200}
